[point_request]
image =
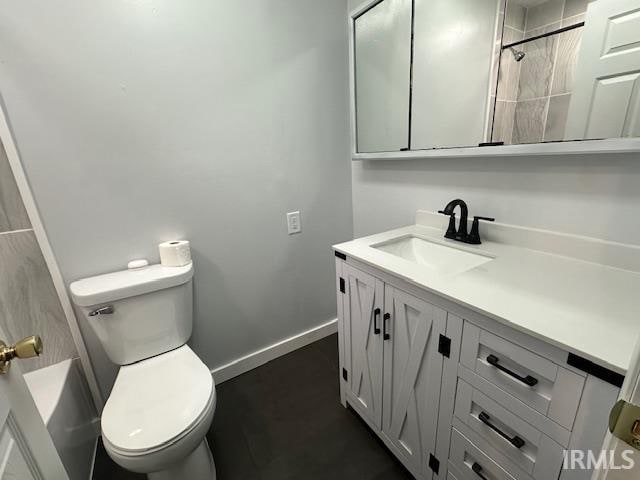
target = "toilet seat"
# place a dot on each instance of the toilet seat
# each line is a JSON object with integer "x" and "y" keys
{"x": 157, "y": 402}
{"x": 169, "y": 454}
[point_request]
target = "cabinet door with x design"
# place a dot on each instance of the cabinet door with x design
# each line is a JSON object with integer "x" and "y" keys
{"x": 412, "y": 375}
{"x": 363, "y": 343}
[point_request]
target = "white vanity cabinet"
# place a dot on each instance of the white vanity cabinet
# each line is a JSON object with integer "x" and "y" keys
{"x": 455, "y": 395}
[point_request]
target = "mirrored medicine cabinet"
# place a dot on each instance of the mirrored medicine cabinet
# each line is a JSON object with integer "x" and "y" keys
{"x": 445, "y": 74}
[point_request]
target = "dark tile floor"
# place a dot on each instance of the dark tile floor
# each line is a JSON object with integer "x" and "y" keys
{"x": 284, "y": 421}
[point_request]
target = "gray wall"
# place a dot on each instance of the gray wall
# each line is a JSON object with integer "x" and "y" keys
{"x": 29, "y": 304}
{"x": 140, "y": 122}
{"x": 597, "y": 195}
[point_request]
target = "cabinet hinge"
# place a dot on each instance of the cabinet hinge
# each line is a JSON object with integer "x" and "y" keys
{"x": 434, "y": 464}
{"x": 345, "y": 374}
{"x": 342, "y": 285}
{"x": 444, "y": 346}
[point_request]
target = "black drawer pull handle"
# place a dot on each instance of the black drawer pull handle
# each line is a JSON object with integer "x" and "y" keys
{"x": 385, "y": 333}
{"x": 515, "y": 441}
{"x": 477, "y": 469}
{"x": 376, "y": 317}
{"x": 528, "y": 380}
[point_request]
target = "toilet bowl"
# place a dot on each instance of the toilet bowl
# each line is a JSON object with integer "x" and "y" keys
{"x": 162, "y": 403}
{"x": 158, "y": 414}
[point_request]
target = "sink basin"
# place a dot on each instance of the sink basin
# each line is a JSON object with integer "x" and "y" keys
{"x": 440, "y": 257}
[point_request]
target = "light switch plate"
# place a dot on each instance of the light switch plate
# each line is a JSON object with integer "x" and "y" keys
{"x": 293, "y": 223}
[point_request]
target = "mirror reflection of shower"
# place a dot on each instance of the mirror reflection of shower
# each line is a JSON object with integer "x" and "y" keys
{"x": 539, "y": 46}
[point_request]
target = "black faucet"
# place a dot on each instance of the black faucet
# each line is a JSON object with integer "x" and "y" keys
{"x": 461, "y": 234}
{"x": 464, "y": 212}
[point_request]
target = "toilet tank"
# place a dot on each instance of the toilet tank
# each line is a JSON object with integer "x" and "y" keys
{"x": 138, "y": 313}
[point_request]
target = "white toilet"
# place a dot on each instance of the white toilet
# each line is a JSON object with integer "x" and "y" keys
{"x": 163, "y": 400}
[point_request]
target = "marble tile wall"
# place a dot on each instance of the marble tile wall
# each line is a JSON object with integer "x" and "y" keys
{"x": 29, "y": 304}
{"x": 540, "y": 85}
{"x": 508, "y": 74}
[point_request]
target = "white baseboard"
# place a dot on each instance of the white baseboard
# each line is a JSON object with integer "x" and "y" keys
{"x": 264, "y": 355}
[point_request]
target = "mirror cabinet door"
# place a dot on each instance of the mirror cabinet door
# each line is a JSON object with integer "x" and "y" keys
{"x": 453, "y": 92}
{"x": 458, "y": 73}
{"x": 382, "y": 50}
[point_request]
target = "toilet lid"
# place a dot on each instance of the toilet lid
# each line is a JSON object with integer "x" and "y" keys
{"x": 156, "y": 400}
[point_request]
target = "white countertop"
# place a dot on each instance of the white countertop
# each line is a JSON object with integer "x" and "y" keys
{"x": 583, "y": 307}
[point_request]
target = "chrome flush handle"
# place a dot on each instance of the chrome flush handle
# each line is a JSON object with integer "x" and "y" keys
{"x": 107, "y": 310}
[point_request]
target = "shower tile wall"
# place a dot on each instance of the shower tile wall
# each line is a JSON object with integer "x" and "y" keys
{"x": 507, "y": 93}
{"x": 534, "y": 94}
{"x": 29, "y": 304}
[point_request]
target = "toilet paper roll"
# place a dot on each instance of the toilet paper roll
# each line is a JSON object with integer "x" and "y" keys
{"x": 175, "y": 253}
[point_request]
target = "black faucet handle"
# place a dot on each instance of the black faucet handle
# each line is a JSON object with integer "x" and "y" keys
{"x": 474, "y": 236}
{"x": 451, "y": 229}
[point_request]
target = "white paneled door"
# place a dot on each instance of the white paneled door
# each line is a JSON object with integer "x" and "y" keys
{"x": 605, "y": 102}
{"x": 26, "y": 449}
{"x": 363, "y": 343}
{"x": 412, "y": 370}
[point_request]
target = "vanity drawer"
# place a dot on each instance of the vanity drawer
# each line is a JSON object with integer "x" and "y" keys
{"x": 546, "y": 387}
{"x": 469, "y": 462}
{"x": 523, "y": 444}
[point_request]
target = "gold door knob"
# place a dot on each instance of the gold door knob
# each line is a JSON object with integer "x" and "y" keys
{"x": 624, "y": 423}
{"x": 26, "y": 348}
